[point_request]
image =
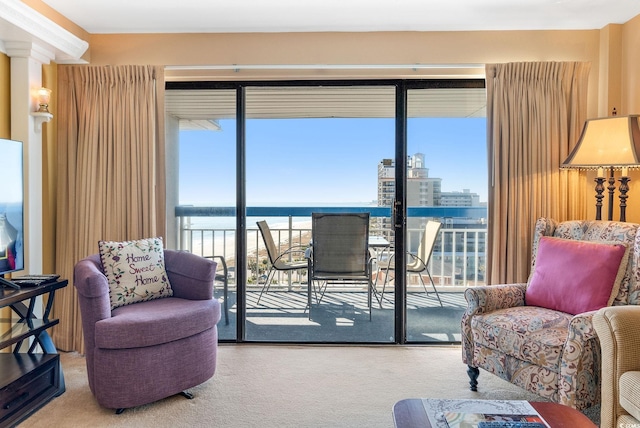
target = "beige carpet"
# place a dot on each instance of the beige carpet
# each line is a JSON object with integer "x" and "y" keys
{"x": 287, "y": 386}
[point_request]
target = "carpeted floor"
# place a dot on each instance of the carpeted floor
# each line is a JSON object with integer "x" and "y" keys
{"x": 288, "y": 386}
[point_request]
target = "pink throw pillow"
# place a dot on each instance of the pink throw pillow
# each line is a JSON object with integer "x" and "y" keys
{"x": 576, "y": 276}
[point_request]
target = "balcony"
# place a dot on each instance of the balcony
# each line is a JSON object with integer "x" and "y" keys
{"x": 458, "y": 261}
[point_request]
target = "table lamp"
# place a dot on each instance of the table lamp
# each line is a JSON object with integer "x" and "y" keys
{"x": 613, "y": 143}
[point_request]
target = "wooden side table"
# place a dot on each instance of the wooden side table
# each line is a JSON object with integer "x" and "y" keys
{"x": 28, "y": 380}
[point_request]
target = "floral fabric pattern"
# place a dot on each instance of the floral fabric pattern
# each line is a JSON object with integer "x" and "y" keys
{"x": 135, "y": 271}
{"x": 550, "y": 353}
{"x": 528, "y": 333}
{"x": 484, "y": 299}
{"x": 528, "y": 376}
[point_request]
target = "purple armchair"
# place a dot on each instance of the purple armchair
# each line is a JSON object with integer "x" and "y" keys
{"x": 146, "y": 351}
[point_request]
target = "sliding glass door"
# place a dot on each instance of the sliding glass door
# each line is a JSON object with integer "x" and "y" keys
{"x": 270, "y": 154}
{"x": 313, "y": 149}
{"x": 204, "y": 124}
{"x": 446, "y": 197}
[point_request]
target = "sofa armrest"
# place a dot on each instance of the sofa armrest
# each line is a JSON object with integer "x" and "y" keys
{"x": 191, "y": 276}
{"x": 484, "y": 299}
{"x": 617, "y": 331}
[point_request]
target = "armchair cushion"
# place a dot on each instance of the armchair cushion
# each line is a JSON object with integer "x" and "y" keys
{"x": 154, "y": 323}
{"x": 135, "y": 270}
{"x": 630, "y": 393}
{"x": 576, "y": 276}
{"x": 528, "y": 333}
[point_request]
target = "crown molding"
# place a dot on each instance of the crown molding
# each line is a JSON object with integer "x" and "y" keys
{"x": 20, "y": 23}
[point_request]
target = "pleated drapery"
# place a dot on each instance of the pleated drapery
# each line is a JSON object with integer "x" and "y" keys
{"x": 535, "y": 113}
{"x": 111, "y": 173}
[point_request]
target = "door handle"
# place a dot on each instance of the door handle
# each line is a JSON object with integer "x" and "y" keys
{"x": 398, "y": 218}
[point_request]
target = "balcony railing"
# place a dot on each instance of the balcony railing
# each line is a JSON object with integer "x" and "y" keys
{"x": 458, "y": 258}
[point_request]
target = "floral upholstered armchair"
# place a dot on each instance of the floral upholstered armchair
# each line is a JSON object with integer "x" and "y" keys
{"x": 539, "y": 335}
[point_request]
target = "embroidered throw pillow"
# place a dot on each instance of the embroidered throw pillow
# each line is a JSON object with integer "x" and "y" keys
{"x": 576, "y": 276}
{"x": 135, "y": 270}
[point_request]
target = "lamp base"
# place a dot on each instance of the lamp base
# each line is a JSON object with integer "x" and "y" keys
{"x": 599, "y": 196}
{"x": 623, "y": 189}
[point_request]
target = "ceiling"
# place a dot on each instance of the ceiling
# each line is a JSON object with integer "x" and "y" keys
{"x": 203, "y": 109}
{"x": 215, "y": 16}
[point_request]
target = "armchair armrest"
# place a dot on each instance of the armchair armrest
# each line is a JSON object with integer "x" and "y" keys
{"x": 92, "y": 287}
{"x": 191, "y": 276}
{"x": 580, "y": 362}
{"x": 93, "y": 297}
{"x": 483, "y": 299}
{"x": 488, "y": 298}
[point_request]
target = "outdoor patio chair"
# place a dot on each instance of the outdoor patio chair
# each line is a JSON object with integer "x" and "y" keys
{"x": 417, "y": 263}
{"x": 339, "y": 253}
{"x": 284, "y": 261}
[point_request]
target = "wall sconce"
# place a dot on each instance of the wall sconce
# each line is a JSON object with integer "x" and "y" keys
{"x": 44, "y": 96}
{"x": 42, "y": 115}
{"x": 613, "y": 143}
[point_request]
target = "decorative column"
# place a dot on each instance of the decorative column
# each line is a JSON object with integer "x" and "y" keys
{"x": 27, "y": 59}
{"x": 31, "y": 40}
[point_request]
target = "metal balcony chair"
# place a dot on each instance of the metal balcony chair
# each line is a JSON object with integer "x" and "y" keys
{"x": 416, "y": 263}
{"x": 279, "y": 261}
{"x": 339, "y": 253}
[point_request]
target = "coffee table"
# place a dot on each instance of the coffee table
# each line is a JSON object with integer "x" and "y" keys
{"x": 411, "y": 413}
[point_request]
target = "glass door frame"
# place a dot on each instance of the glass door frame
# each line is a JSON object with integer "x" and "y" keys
{"x": 398, "y": 210}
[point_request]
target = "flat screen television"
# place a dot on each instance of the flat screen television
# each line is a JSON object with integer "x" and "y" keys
{"x": 11, "y": 209}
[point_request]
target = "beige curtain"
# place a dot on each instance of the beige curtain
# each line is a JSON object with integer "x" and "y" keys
{"x": 111, "y": 183}
{"x": 535, "y": 113}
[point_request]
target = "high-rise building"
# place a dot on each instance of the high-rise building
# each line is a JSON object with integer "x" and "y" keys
{"x": 422, "y": 191}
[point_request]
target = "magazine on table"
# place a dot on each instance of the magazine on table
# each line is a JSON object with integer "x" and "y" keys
{"x": 472, "y": 420}
{"x": 469, "y": 413}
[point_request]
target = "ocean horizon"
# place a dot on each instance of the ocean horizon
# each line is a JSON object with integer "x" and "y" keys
{"x": 229, "y": 222}
{"x": 223, "y": 242}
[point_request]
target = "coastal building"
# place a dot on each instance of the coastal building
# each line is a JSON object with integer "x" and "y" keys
{"x": 466, "y": 198}
{"x": 425, "y": 191}
{"x": 422, "y": 190}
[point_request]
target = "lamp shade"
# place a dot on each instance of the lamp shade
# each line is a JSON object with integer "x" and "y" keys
{"x": 44, "y": 95}
{"x": 612, "y": 142}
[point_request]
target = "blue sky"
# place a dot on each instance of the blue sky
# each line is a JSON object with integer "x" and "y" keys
{"x": 307, "y": 161}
